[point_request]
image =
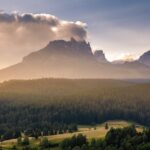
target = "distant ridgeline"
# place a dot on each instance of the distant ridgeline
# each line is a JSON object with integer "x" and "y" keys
{"x": 51, "y": 106}
{"x": 74, "y": 59}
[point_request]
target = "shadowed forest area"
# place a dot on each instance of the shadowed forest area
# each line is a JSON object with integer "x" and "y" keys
{"x": 52, "y": 106}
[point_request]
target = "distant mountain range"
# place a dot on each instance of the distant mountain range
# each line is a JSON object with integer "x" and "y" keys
{"x": 74, "y": 59}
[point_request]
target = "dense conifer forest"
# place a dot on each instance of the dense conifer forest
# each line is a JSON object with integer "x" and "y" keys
{"x": 52, "y": 106}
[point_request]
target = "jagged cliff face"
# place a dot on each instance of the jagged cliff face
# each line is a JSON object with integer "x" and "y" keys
{"x": 145, "y": 58}
{"x": 71, "y": 59}
{"x": 66, "y": 59}
{"x": 61, "y": 49}
{"x": 60, "y": 59}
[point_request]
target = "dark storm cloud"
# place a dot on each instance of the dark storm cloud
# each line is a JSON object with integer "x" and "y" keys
{"x": 29, "y": 18}
{"x": 6, "y": 17}
{"x": 74, "y": 29}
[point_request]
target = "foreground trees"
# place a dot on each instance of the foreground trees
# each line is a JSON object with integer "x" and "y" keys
{"x": 116, "y": 139}
{"x": 74, "y": 142}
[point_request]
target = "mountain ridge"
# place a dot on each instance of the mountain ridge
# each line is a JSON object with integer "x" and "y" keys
{"x": 72, "y": 59}
{"x": 145, "y": 58}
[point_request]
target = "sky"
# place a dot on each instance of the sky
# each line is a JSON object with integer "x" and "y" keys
{"x": 121, "y": 28}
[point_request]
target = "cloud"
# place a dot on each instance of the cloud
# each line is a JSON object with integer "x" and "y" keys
{"x": 128, "y": 57}
{"x": 22, "y": 33}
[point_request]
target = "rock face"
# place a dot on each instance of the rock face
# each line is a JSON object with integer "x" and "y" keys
{"x": 100, "y": 56}
{"x": 59, "y": 59}
{"x": 61, "y": 48}
{"x": 71, "y": 59}
{"x": 145, "y": 58}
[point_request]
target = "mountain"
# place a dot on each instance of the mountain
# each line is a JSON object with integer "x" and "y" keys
{"x": 100, "y": 56}
{"x": 71, "y": 59}
{"x": 60, "y": 59}
{"x": 145, "y": 58}
{"x": 140, "y": 70}
{"x": 61, "y": 48}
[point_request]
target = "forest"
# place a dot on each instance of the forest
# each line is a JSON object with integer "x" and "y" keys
{"x": 52, "y": 106}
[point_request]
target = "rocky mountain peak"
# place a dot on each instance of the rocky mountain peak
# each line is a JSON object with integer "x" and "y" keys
{"x": 100, "y": 56}
{"x": 55, "y": 48}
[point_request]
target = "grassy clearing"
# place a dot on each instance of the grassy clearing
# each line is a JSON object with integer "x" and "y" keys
{"x": 97, "y": 131}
